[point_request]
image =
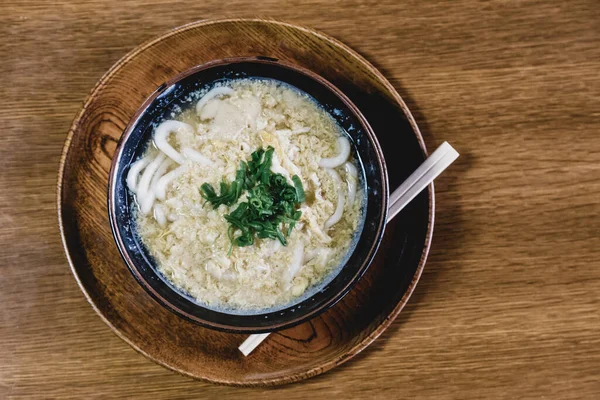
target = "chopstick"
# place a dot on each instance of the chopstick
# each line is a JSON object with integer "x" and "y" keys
{"x": 431, "y": 168}
{"x": 252, "y": 342}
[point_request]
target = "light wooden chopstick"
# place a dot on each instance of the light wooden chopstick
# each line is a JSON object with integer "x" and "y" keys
{"x": 431, "y": 168}
{"x": 252, "y": 342}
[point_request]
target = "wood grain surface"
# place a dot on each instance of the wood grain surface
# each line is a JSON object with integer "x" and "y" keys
{"x": 508, "y": 305}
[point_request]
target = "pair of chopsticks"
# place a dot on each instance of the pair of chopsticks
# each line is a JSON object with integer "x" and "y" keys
{"x": 435, "y": 164}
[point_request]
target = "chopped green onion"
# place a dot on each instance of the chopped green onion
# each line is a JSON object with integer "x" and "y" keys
{"x": 271, "y": 201}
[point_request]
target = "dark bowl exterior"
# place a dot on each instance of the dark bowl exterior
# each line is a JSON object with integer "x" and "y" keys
{"x": 171, "y": 95}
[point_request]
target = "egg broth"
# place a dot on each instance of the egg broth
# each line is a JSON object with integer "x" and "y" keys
{"x": 190, "y": 240}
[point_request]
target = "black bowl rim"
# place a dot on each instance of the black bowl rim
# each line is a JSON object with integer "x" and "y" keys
{"x": 335, "y": 297}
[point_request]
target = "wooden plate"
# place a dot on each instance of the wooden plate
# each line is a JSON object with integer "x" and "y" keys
{"x": 287, "y": 356}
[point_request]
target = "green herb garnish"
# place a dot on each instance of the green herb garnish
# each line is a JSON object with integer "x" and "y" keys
{"x": 271, "y": 207}
{"x": 230, "y": 193}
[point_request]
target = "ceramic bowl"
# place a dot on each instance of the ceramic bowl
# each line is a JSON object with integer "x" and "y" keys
{"x": 173, "y": 95}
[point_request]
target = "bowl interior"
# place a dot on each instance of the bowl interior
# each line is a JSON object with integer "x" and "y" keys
{"x": 174, "y": 95}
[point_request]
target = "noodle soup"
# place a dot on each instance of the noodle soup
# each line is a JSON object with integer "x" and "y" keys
{"x": 251, "y": 199}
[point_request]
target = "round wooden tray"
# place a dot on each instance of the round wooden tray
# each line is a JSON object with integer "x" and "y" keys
{"x": 287, "y": 356}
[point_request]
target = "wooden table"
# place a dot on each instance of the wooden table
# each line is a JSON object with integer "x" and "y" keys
{"x": 508, "y": 306}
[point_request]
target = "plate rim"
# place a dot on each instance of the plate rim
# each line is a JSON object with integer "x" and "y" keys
{"x": 296, "y": 376}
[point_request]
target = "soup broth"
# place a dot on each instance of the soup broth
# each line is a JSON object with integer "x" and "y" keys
{"x": 189, "y": 222}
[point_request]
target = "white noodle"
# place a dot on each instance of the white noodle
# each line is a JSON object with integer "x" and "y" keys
{"x": 196, "y": 156}
{"x": 162, "y": 132}
{"x": 339, "y": 210}
{"x": 134, "y": 172}
{"x": 292, "y": 152}
{"x": 314, "y": 253}
{"x": 161, "y": 185}
{"x": 146, "y": 202}
{"x": 281, "y": 157}
{"x": 210, "y": 109}
{"x": 351, "y": 179}
{"x": 291, "y": 166}
{"x": 313, "y": 225}
{"x": 317, "y": 187}
{"x": 333, "y": 162}
{"x": 315, "y": 179}
{"x": 317, "y": 257}
{"x": 301, "y": 130}
{"x": 292, "y": 132}
{"x": 143, "y": 189}
{"x": 276, "y": 167}
{"x": 162, "y": 168}
{"x": 296, "y": 264}
{"x": 150, "y": 196}
{"x": 211, "y": 94}
{"x": 159, "y": 215}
